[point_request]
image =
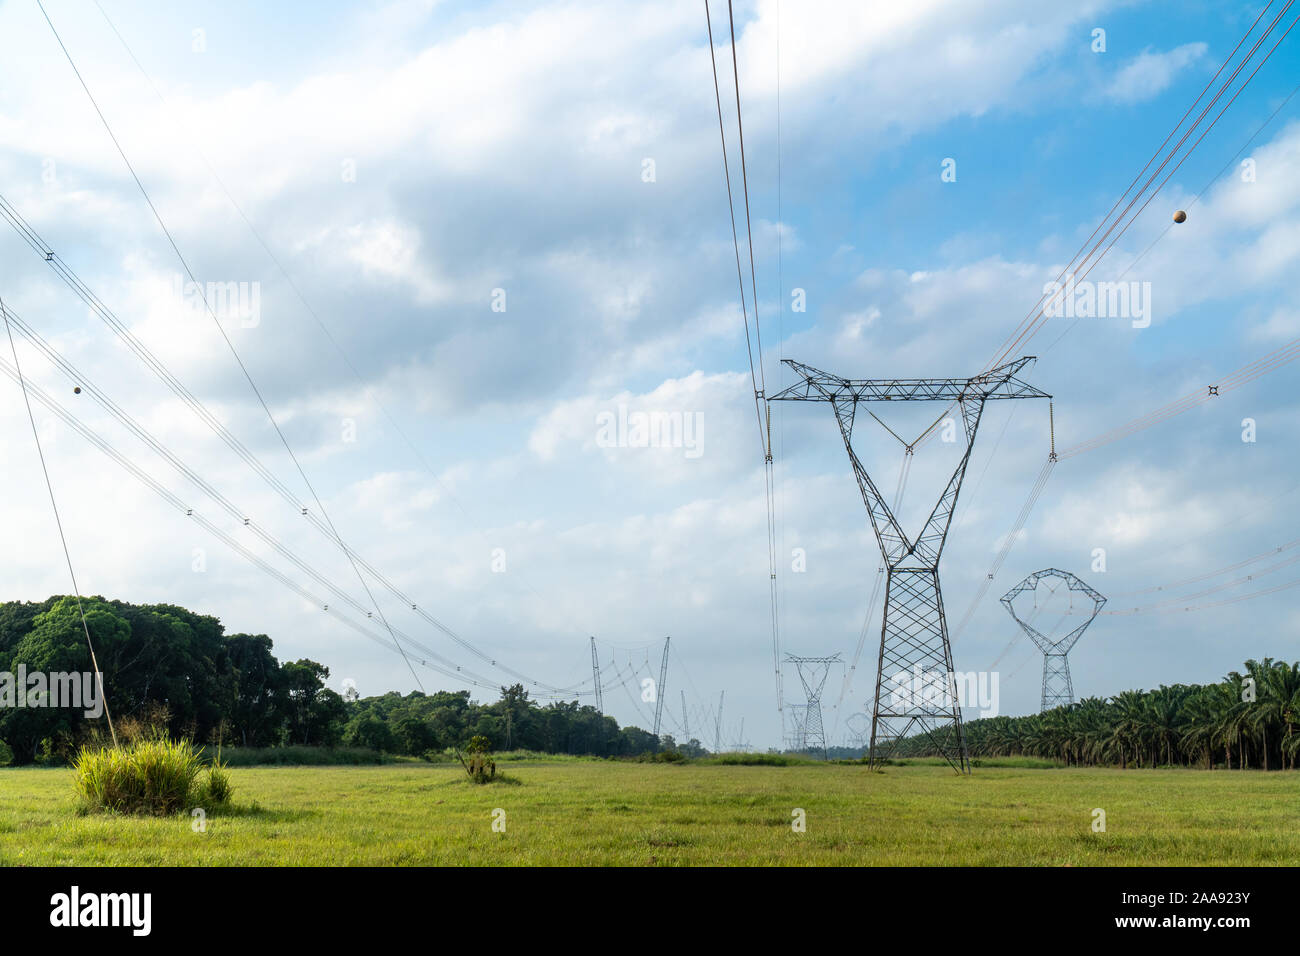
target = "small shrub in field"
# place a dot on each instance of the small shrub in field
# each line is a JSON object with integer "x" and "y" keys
{"x": 480, "y": 766}
{"x": 156, "y": 776}
{"x": 216, "y": 790}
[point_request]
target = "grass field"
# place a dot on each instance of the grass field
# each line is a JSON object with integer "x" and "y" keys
{"x": 594, "y": 812}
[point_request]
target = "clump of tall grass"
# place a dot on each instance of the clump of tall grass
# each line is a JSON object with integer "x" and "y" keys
{"x": 216, "y": 790}
{"x": 156, "y": 776}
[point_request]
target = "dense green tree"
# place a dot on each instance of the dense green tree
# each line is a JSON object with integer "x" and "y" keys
{"x": 368, "y": 730}
{"x": 55, "y": 642}
{"x": 255, "y": 693}
{"x": 314, "y": 712}
{"x": 413, "y": 735}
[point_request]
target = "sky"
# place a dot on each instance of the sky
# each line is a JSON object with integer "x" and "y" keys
{"x": 471, "y": 236}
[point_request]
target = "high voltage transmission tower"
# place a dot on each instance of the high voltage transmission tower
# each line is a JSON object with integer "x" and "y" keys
{"x": 796, "y": 739}
{"x": 595, "y": 676}
{"x": 717, "y": 727}
{"x": 741, "y": 745}
{"x": 859, "y": 728}
{"x": 914, "y": 633}
{"x": 659, "y": 690}
{"x": 813, "y": 672}
{"x": 1058, "y": 690}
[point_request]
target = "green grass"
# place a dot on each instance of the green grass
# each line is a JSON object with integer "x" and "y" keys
{"x": 146, "y": 776}
{"x": 1023, "y": 763}
{"x": 759, "y": 760}
{"x": 612, "y": 812}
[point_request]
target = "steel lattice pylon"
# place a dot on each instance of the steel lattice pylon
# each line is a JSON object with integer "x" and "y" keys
{"x": 859, "y": 728}
{"x": 795, "y": 738}
{"x": 1058, "y": 689}
{"x": 914, "y": 633}
{"x": 813, "y": 672}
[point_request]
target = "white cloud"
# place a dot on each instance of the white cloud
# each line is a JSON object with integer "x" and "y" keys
{"x": 1150, "y": 73}
{"x": 505, "y": 150}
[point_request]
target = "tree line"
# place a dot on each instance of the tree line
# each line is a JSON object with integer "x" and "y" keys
{"x": 1250, "y": 720}
{"x": 162, "y": 659}
{"x": 159, "y": 659}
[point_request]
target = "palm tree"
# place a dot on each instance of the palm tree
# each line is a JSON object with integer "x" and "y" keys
{"x": 1093, "y": 723}
{"x": 1223, "y": 700}
{"x": 1236, "y": 721}
{"x": 1263, "y": 711}
{"x": 1127, "y": 732}
{"x": 1202, "y": 711}
{"x": 1182, "y": 724}
{"x": 1276, "y": 705}
{"x": 1162, "y": 718}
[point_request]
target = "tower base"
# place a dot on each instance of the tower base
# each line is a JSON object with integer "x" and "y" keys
{"x": 915, "y": 689}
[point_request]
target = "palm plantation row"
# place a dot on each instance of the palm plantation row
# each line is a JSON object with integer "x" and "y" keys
{"x": 1249, "y": 721}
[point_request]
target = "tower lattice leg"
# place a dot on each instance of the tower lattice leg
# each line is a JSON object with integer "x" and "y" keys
{"x": 915, "y": 689}
{"x": 1058, "y": 689}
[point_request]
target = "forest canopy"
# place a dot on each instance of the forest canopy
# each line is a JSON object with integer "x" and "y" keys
{"x": 163, "y": 659}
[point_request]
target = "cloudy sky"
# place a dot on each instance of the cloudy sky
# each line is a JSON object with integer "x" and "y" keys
{"x": 468, "y": 235}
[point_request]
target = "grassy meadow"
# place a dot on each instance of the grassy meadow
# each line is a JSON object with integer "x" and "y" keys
{"x": 586, "y": 812}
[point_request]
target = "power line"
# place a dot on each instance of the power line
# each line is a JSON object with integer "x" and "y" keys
{"x": 1172, "y": 602}
{"x": 1038, "y": 314}
{"x": 159, "y": 368}
{"x": 447, "y": 668}
{"x": 749, "y": 228}
{"x": 298, "y": 293}
{"x": 1196, "y": 579}
{"x": 58, "y": 521}
{"x": 779, "y": 506}
{"x": 1025, "y": 335}
{"x": 735, "y": 237}
{"x": 757, "y": 372}
{"x": 231, "y": 346}
{"x": 1242, "y": 376}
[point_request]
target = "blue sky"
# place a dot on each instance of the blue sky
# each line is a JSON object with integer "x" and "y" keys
{"x": 501, "y": 146}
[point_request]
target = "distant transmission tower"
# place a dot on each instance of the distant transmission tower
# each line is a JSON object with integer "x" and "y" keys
{"x": 595, "y": 676}
{"x": 717, "y": 727}
{"x": 796, "y": 738}
{"x": 741, "y": 745}
{"x": 813, "y": 672}
{"x": 659, "y": 691}
{"x": 1058, "y": 689}
{"x": 914, "y": 633}
{"x": 686, "y": 718}
{"x": 859, "y": 727}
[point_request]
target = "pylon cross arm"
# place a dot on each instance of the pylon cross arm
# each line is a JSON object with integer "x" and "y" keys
{"x": 814, "y": 385}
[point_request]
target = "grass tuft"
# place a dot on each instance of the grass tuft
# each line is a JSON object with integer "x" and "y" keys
{"x": 216, "y": 790}
{"x": 153, "y": 777}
